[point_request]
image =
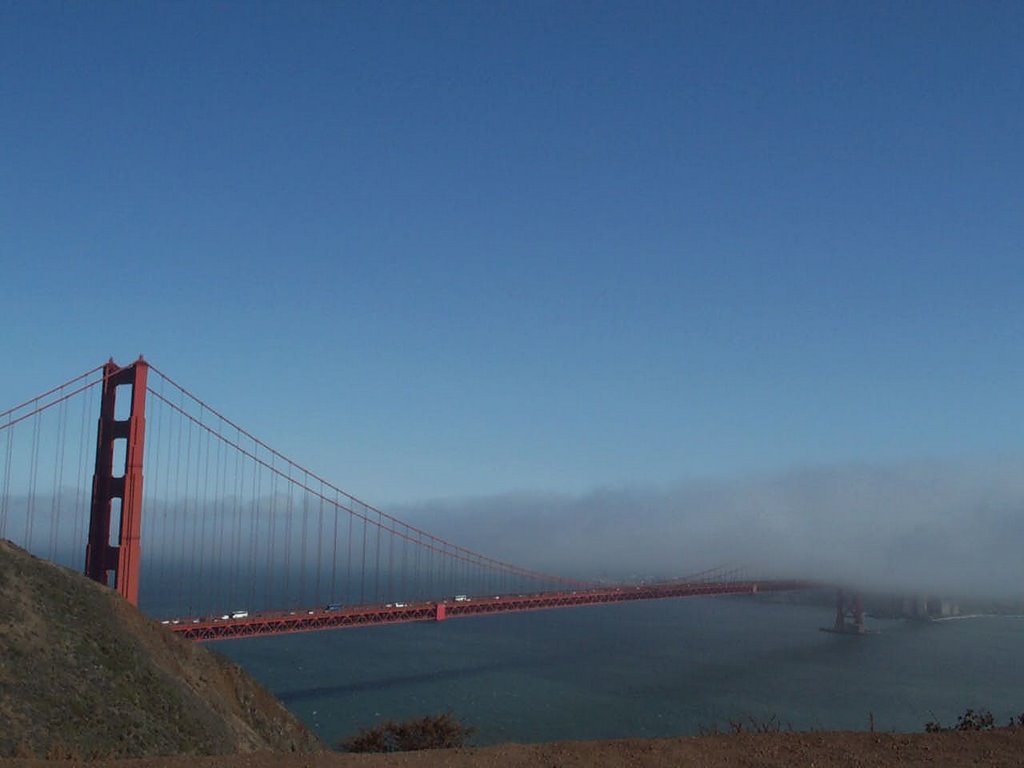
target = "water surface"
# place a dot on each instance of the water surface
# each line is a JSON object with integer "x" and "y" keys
{"x": 645, "y": 669}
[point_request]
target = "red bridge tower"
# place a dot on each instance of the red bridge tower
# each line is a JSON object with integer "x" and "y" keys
{"x": 101, "y": 555}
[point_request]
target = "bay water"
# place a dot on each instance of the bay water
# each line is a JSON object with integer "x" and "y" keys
{"x": 645, "y": 669}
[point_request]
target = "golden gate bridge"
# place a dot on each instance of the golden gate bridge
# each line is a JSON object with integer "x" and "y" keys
{"x": 228, "y": 537}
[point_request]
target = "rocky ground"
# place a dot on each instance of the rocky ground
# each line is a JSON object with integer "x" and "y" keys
{"x": 783, "y": 750}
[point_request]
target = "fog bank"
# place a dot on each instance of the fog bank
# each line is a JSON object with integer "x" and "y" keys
{"x": 954, "y": 529}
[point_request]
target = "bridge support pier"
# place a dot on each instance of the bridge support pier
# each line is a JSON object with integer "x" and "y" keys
{"x": 101, "y": 555}
{"x": 440, "y": 615}
{"x": 849, "y": 614}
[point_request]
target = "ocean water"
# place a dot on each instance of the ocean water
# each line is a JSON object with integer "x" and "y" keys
{"x": 646, "y": 669}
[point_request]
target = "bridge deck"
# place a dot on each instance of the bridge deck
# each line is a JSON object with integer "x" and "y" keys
{"x": 317, "y": 619}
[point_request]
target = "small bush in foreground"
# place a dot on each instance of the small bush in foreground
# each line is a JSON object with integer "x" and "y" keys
{"x": 749, "y": 724}
{"x": 973, "y": 720}
{"x": 430, "y": 732}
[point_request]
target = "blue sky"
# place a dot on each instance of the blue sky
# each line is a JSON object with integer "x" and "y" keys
{"x": 437, "y": 250}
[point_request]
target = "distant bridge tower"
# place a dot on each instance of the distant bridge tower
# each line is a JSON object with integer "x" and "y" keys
{"x": 849, "y": 613}
{"x": 118, "y": 492}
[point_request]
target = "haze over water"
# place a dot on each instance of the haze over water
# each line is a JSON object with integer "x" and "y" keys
{"x": 651, "y": 669}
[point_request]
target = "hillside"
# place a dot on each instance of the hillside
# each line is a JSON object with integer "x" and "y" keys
{"x": 83, "y": 673}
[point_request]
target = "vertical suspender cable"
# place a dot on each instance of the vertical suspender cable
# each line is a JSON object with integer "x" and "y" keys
{"x": 219, "y": 532}
{"x": 419, "y": 574}
{"x": 158, "y": 523}
{"x": 238, "y": 483}
{"x": 254, "y": 533}
{"x": 203, "y": 510}
{"x": 376, "y": 576}
{"x": 362, "y": 577}
{"x": 302, "y": 545}
{"x": 173, "y": 510}
{"x": 227, "y": 480}
{"x": 334, "y": 553}
{"x": 391, "y": 566}
{"x": 319, "y": 543}
{"x": 187, "y": 585}
{"x": 194, "y": 568}
{"x": 5, "y": 499}
{"x": 349, "y": 587}
{"x": 58, "y": 476}
{"x": 33, "y": 474}
{"x": 272, "y": 540}
{"x": 288, "y": 535}
{"x": 405, "y": 562}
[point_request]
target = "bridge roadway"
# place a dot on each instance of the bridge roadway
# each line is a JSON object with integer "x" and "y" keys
{"x": 317, "y": 619}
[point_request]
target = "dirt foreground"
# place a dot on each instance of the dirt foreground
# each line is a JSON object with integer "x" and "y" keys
{"x": 783, "y": 750}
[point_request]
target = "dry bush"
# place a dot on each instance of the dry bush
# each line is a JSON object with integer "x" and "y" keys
{"x": 973, "y": 720}
{"x": 442, "y": 731}
{"x": 748, "y": 724}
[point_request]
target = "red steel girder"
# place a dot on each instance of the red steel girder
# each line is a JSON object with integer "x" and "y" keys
{"x": 313, "y": 620}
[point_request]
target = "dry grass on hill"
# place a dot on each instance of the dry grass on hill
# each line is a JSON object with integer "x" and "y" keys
{"x": 83, "y": 673}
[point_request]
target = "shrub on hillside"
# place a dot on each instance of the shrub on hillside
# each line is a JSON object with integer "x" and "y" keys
{"x": 749, "y": 724}
{"x": 973, "y": 720}
{"x": 442, "y": 731}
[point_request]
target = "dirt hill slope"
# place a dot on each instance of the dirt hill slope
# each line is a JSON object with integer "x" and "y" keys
{"x": 82, "y": 673}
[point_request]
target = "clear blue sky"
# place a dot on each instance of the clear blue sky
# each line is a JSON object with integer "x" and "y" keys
{"x": 438, "y": 249}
